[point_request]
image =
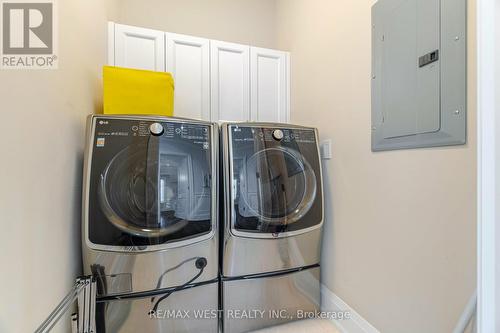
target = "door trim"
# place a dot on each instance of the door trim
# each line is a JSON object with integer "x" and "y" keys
{"x": 488, "y": 89}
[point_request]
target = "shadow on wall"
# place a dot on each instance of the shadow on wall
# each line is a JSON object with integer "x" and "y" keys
{"x": 328, "y": 223}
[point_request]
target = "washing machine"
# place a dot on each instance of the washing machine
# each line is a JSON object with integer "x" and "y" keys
{"x": 273, "y": 216}
{"x": 150, "y": 235}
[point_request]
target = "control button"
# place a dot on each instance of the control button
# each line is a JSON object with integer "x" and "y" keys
{"x": 278, "y": 135}
{"x": 156, "y": 129}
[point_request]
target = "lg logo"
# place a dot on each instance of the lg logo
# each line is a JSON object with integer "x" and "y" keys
{"x": 28, "y": 29}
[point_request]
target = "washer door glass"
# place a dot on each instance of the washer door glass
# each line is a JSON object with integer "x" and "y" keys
{"x": 275, "y": 182}
{"x": 154, "y": 190}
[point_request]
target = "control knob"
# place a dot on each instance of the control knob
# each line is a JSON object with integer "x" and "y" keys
{"x": 156, "y": 129}
{"x": 278, "y": 135}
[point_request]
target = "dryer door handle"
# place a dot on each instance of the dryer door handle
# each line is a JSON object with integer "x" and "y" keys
{"x": 152, "y": 181}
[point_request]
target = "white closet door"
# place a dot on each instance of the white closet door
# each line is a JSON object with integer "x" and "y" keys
{"x": 139, "y": 48}
{"x": 230, "y": 77}
{"x": 269, "y": 85}
{"x": 188, "y": 59}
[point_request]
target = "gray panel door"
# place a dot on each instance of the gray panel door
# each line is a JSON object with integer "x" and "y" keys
{"x": 410, "y": 94}
{"x": 419, "y": 67}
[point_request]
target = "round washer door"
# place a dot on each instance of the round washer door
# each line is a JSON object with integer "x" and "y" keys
{"x": 128, "y": 195}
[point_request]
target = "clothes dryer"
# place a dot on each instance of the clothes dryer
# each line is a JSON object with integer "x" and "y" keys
{"x": 273, "y": 212}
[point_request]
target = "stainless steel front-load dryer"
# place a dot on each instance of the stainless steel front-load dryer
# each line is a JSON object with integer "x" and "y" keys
{"x": 273, "y": 212}
{"x": 150, "y": 223}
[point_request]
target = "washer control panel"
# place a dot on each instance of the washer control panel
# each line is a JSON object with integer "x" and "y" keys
{"x": 123, "y": 131}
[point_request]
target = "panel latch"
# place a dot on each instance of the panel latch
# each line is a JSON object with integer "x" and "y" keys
{"x": 428, "y": 58}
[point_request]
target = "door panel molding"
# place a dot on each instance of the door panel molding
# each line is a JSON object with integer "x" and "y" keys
{"x": 230, "y": 81}
{"x": 188, "y": 59}
{"x": 269, "y": 85}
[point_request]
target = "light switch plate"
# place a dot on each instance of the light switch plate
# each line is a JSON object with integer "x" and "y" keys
{"x": 326, "y": 149}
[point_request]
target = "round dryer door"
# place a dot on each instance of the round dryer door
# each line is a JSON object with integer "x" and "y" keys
{"x": 276, "y": 180}
{"x": 285, "y": 185}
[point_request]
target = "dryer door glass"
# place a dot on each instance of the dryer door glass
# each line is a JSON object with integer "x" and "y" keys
{"x": 276, "y": 184}
{"x": 152, "y": 190}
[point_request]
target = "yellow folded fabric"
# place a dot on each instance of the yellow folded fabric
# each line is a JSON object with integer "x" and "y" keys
{"x": 132, "y": 91}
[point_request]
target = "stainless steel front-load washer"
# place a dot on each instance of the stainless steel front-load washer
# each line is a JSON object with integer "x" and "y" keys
{"x": 150, "y": 232}
{"x": 273, "y": 212}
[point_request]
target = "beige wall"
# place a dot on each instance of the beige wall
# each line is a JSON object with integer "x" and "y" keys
{"x": 239, "y": 21}
{"x": 399, "y": 244}
{"x": 42, "y": 138}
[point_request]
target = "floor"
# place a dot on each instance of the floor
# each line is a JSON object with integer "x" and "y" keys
{"x": 313, "y": 325}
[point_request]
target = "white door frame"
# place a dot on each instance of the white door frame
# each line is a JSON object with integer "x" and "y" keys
{"x": 488, "y": 39}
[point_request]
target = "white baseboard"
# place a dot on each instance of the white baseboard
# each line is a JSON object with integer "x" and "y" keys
{"x": 356, "y": 324}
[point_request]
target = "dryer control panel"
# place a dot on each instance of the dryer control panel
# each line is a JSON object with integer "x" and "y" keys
{"x": 284, "y": 135}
